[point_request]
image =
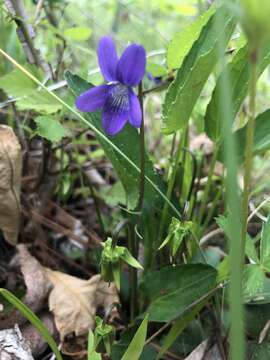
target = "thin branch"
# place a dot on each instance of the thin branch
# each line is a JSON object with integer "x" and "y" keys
{"x": 26, "y": 34}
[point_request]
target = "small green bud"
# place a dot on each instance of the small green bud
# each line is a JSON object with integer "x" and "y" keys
{"x": 177, "y": 232}
{"x": 111, "y": 262}
{"x": 104, "y": 336}
{"x": 256, "y": 21}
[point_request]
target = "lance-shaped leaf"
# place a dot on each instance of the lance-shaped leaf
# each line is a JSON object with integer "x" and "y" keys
{"x": 238, "y": 72}
{"x": 182, "y": 42}
{"x": 135, "y": 348}
{"x": 184, "y": 91}
{"x": 129, "y": 259}
{"x": 91, "y": 353}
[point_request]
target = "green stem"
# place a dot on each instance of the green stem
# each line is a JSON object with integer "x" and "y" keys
{"x": 132, "y": 238}
{"x": 142, "y": 151}
{"x": 210, "y": 212}
{"x": 169, "y": 190}
{"x": 208, "y": 185}
{"x": 249, "y": 151}
{"x": 133, "y": 275}
{"x": 183, "y": 160}
{"x": 132, "y": 271}
{"x": 97, "y": 207}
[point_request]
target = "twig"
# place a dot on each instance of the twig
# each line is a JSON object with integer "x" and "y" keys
{"x": 26, "y": 34}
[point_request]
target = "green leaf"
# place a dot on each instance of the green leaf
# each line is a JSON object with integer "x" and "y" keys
{"x": 116, "y": 269}
{"x": 39, "y": 101}
{"x": 258, "y": 351}
{"x": 178, "y": 327}
{"x": 78, "y": 33}
{"x": 255, "y": 319}
{"x": 250, "y": 250}
{"x": 261, "y": 135}
{"x": 262, "y": 296}
{"x": 253, "y": 279}
{"x": 238, "y": 70}
{"x": 265, "y": 243}
{"x": 113, "y": 194}
{"x": 50, "y": 128}
{"x": 128, "y": 142}
{"x": 129, "y": 259}
{"x": 119, "y": 347}
{"x": 173, "y": 290}
{"x": 91, "y": 353}
{"x": 34, "y": 320}
{"x": 223, "y": 270}
{"x": 156, "y": 70}
{"x": 184, "y": 91}
{"x": 136, "y": 346}
{"x": 17, "y": 84}
{"x": 182, "y": 42}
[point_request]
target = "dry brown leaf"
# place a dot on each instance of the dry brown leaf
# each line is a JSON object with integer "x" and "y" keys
{"x": 37, "y": 287}
{"x": 10, "y": 183}
{"x": 74, "y": 301}
{"x": 35, "y": 278}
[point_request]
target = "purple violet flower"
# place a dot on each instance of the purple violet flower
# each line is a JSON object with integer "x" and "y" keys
{"x": 116, "y": 99}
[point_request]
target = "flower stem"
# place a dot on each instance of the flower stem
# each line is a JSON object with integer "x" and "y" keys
{"x": 142, "y": 151}
{"x": 133, "y": 275}
{"x": 248, "y": 150}
{"x": 169, "y": 190}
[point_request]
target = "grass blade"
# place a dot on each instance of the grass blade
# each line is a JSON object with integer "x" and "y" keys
{"x": 35, "y": 321}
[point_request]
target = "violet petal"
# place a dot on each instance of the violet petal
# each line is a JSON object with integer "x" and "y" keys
{"x": 107, "y": 58}
{"x": 135, "y": 118}
{"x": 113, "y": 122}
{"x": 131, "y": 66}
{"x": 92, "y": 99}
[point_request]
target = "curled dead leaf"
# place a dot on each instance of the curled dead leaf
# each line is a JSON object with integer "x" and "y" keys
{"x": 74, "y": 301}
{"x": 10, "y": 183}
{"x": 37, "y": 287}
{"x": 35, "y": 278}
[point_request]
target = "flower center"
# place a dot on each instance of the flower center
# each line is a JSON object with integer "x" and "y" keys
{"x": 119, "y": 99}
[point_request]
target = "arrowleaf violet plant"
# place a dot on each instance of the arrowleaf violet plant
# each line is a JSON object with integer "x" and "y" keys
{"x": 173, "y": 236}
{"x": 118, "y": 102}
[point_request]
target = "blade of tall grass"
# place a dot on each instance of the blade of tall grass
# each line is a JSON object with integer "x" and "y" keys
{"x": 237, "y": 342}
{"x": 92, "y": 127}
{"x": 30, "y": 316}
